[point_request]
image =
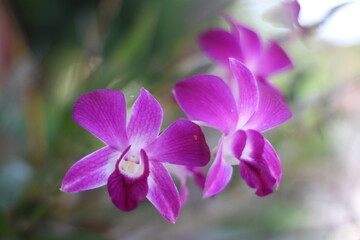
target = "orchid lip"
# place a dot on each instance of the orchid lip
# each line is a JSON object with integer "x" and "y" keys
{"x": 130, "y": 163}
{"x": 131, "y": 166}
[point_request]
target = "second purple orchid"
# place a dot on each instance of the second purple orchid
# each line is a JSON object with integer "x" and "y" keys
{"x": 241, "y": 117}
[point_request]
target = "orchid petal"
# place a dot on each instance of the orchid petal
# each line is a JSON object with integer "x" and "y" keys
{"x": 184, "y": 193}
{"x": 238, "y": 143}
{"x": 248, "y": 40}
{"x": 103, "y": 113}
{"x": 273, "y": 88}
{"x": 271, "y": 111}
{"x": 91, "y": 171}
{"x": 208, "y": 99}
{"x": 181, "y": 143}
{"x": 162, "y": 192}
{"x": 220, "y": 45}
{"x": 273, "y": 162}
{"x": 180, "y": 173}
{"x": 254, "y": 167}
{"x": 145, "y": 120}
{"x": 254, "y": 146}
{"x": 219, "y": 175}
{"x": 273, "y": 60}
{"x": 256, "y": 174}
{"x": 198, "y": 175}
{"x": 248, "y": 94}
{"x": 125, "y": 192}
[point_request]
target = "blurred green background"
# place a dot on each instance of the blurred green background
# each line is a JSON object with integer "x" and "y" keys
{"x": 53, "y": 51}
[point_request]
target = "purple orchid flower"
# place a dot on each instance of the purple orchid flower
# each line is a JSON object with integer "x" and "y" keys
{"x": 241, "y": 118}
{"x": 245, "y": 45}
{"x": 132, "y": 162}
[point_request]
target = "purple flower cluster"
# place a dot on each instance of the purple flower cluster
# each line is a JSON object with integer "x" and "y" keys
{"x": 136, "y": 162}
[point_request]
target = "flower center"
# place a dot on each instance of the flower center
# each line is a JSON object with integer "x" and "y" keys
{"x": 131, "y": 165}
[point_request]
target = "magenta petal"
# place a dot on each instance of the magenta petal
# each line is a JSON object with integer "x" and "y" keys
{"x": 271, "y": 111}
{"x": 91, "y": 171}
{"x": 248, "y": 40}
{"x": 273, "y": 60}
{"x": 273, "y": 162}
{"x": 180, "y": 172}
{"x": 248, "y": 94}
{"x": 218, "y": 176}
{"x": 207, "y": 99}
{"x": 220, "y": 45}
{"x": 125, "y": 192}
{"x": 145, "y": 120}
{"x": 254, "y": 147}
{"x": 238, "y": 142}
{"x": 163, "y": 193}
{"x": 182, "y": 143}
{"x": 198, "y": 174}
{"x": 184, "y": 193}
{"x": 273, "y": 88}
{"x": 257, "y": 164}
{"x": 103, "y": 113}
{"x": 256, "y": 174}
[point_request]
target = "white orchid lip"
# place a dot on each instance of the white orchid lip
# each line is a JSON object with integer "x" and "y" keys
{"x": 131, "y": 165}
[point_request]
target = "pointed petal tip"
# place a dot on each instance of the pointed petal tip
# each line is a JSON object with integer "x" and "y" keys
{"x": 172, "y": 219}
{"x": 207, "y": 195}
{"x": 144, "y": 90}
{"x": 68, "y": 189}
{"x": 63, "y": 189}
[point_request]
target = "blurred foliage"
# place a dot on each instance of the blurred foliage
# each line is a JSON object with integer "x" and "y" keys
{"x": 53, "y": 51}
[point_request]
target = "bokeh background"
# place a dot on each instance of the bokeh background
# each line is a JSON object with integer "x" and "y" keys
{"x": 52, "y": 51}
